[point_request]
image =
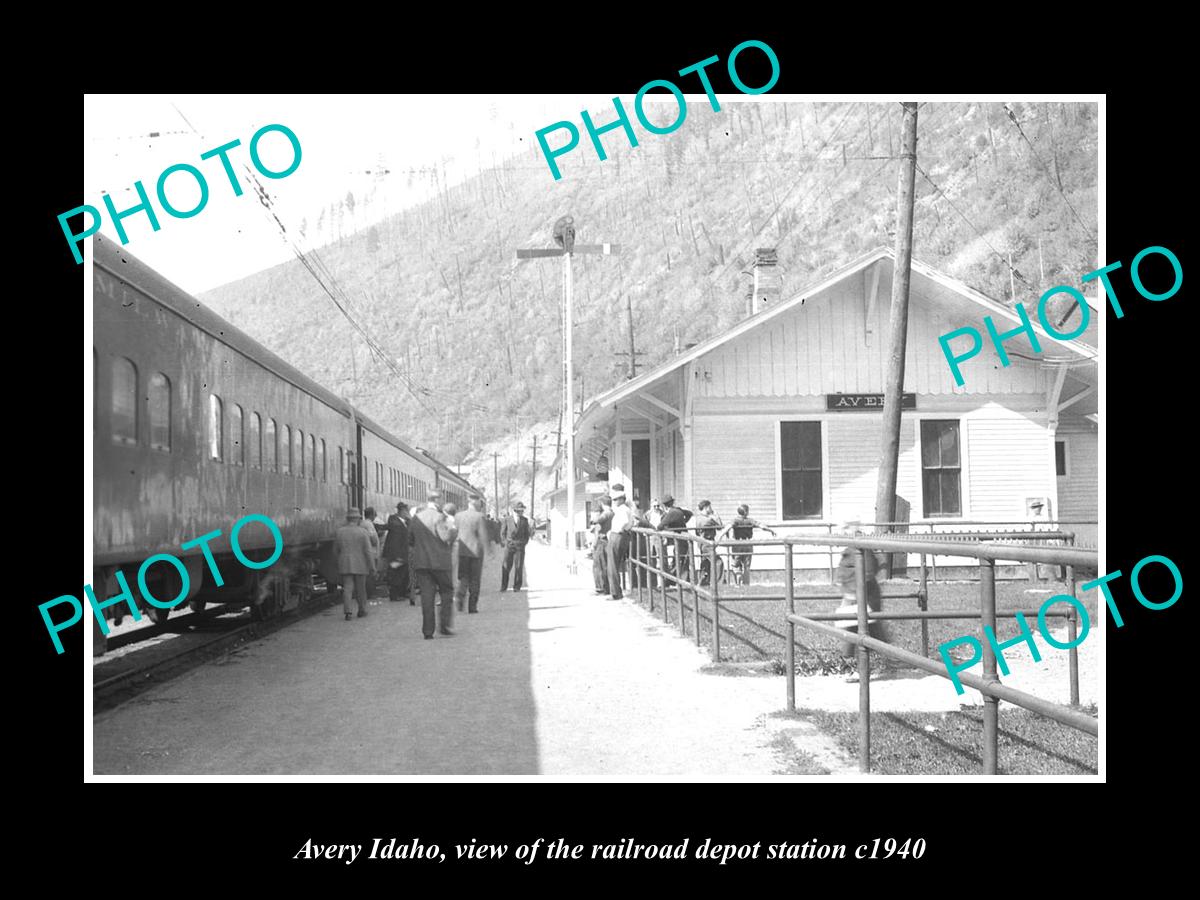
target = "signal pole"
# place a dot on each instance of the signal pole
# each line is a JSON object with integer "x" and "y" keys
{"x": 533, "y": 478}
{"x": 564, "y": 236}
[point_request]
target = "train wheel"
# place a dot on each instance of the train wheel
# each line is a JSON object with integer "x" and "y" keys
{"x": 157, "y": 616}
{"x": 197, "y": 606}
{"x": 271, "y": 604}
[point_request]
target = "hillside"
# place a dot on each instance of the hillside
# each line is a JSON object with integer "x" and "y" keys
{"x": 480, "y": 336}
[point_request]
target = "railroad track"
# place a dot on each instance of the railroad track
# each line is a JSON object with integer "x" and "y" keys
{"x": 121, "y": 679}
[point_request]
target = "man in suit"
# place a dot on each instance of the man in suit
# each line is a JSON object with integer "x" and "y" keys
{"x": 355, "y": 561}
{"x": 618, "y": 539}
{"x": 601, "y": 520}
{"x": 369, "y": 526}
{"x": 514, "y": 535}
{"x": 395, "y": 554}
{"x": 433, "y": 535}
{"x": 472, "y": 550}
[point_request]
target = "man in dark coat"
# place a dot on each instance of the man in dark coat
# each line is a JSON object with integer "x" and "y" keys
{"x": 514, "y": 535}
{"x": 355, "y": 561}
{"x": 395, "y": 554}
{"x": 433, "y": 535}
{"x": 675, "y": 519}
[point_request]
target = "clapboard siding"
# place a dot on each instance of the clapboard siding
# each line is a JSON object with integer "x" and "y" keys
{"x": 1008, "y": 458}
{"x": 735, "y": 463}
{"x": 852, "y": 467}
{"x": 823, "y": 346}
{"x": 1078, "y": 494}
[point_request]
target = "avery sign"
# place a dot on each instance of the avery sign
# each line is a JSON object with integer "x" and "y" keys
{"x": 843, "y": 402}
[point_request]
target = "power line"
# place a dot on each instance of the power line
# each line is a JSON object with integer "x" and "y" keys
{"x": 1053, "y": 179}
{"x": 342, "y": 305}
{"x": 962, "y": 215}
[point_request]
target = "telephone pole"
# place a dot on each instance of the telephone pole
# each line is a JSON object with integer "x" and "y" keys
{"x": 533, "y": 479}
{"x": 633, "y": 353}
{"x": 885, "y": 496}
{"x": 564, "y": 236}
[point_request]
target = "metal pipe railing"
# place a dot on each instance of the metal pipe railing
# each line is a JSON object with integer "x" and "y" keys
{"x": 688, "y": 547}
{"x": 989, "y": 684}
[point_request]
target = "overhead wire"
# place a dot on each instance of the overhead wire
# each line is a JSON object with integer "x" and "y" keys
{"x": 1045, "y": 168}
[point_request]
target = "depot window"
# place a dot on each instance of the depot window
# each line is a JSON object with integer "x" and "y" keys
{"x": 941, "y": 467}
{"x": 800, "y": 469}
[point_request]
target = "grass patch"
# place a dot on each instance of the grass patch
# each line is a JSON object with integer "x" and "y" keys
{"x": 903, "y": 744}
{"x": 756, "y": 630}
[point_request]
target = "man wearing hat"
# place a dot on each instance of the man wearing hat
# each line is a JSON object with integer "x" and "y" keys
{"x": 514, "y": 535}
{"x": 395, "y": 554}
{"x": 472, "y": 550}
{"x": 601, "y": 520}
{"x": 355, "y": 560}
{"x": 675, "y": 519}
{"x": 433, "y": 535}
{"x": 618, "y": 539}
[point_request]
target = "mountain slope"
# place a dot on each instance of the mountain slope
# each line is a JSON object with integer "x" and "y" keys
{"x": 480, "y": 336}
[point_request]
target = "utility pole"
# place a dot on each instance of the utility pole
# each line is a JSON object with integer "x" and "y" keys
{"x": 885, "y": 496}
{"x": 633, "y": 353}
{"x": 564, "y": 236}
{"x": 496, "y": 481}
{"x": 533, "y": 479}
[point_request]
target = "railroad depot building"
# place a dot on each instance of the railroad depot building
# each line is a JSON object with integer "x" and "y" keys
{"x": 783, "y": 412}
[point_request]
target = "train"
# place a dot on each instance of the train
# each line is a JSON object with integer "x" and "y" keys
{"x": 196, "y": 425}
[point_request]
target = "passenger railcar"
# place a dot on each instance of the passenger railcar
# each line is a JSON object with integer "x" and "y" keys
{"x": 197, "y": 425}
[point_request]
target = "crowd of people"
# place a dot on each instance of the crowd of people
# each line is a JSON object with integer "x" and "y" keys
{"x": 611, "y": 527}
{"x": 437, "y": 552}
{"x": 614, "y": 519}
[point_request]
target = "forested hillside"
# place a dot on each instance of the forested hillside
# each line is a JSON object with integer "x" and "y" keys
{"x": 480, "y": 336}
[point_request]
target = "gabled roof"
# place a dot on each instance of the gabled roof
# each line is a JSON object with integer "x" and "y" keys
{"x": 990, "y": 307}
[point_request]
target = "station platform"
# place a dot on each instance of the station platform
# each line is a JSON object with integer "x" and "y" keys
{"x": 553, "y": 680}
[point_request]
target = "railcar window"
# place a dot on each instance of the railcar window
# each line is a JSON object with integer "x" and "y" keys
{"x": 216, "y": 427}
{"x": 254, "y": 441}
{"x": 124, "y": 401}
{"x": 312, "y": 457}
{"x": 324, "y": 471}
{"x": 298, "y": 456}
{"x": 285, "y": 450}
{"x": 237, "y": 436}
{"x": 272, "y": 447}
{"x": 158, "y": 407}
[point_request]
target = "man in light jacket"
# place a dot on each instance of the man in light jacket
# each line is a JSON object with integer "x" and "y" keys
{"x": 472, "y": 550}
{"x": 355, "y": 561}
{"x": 433, "y": 535}
{"x": 618, "y": 539}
